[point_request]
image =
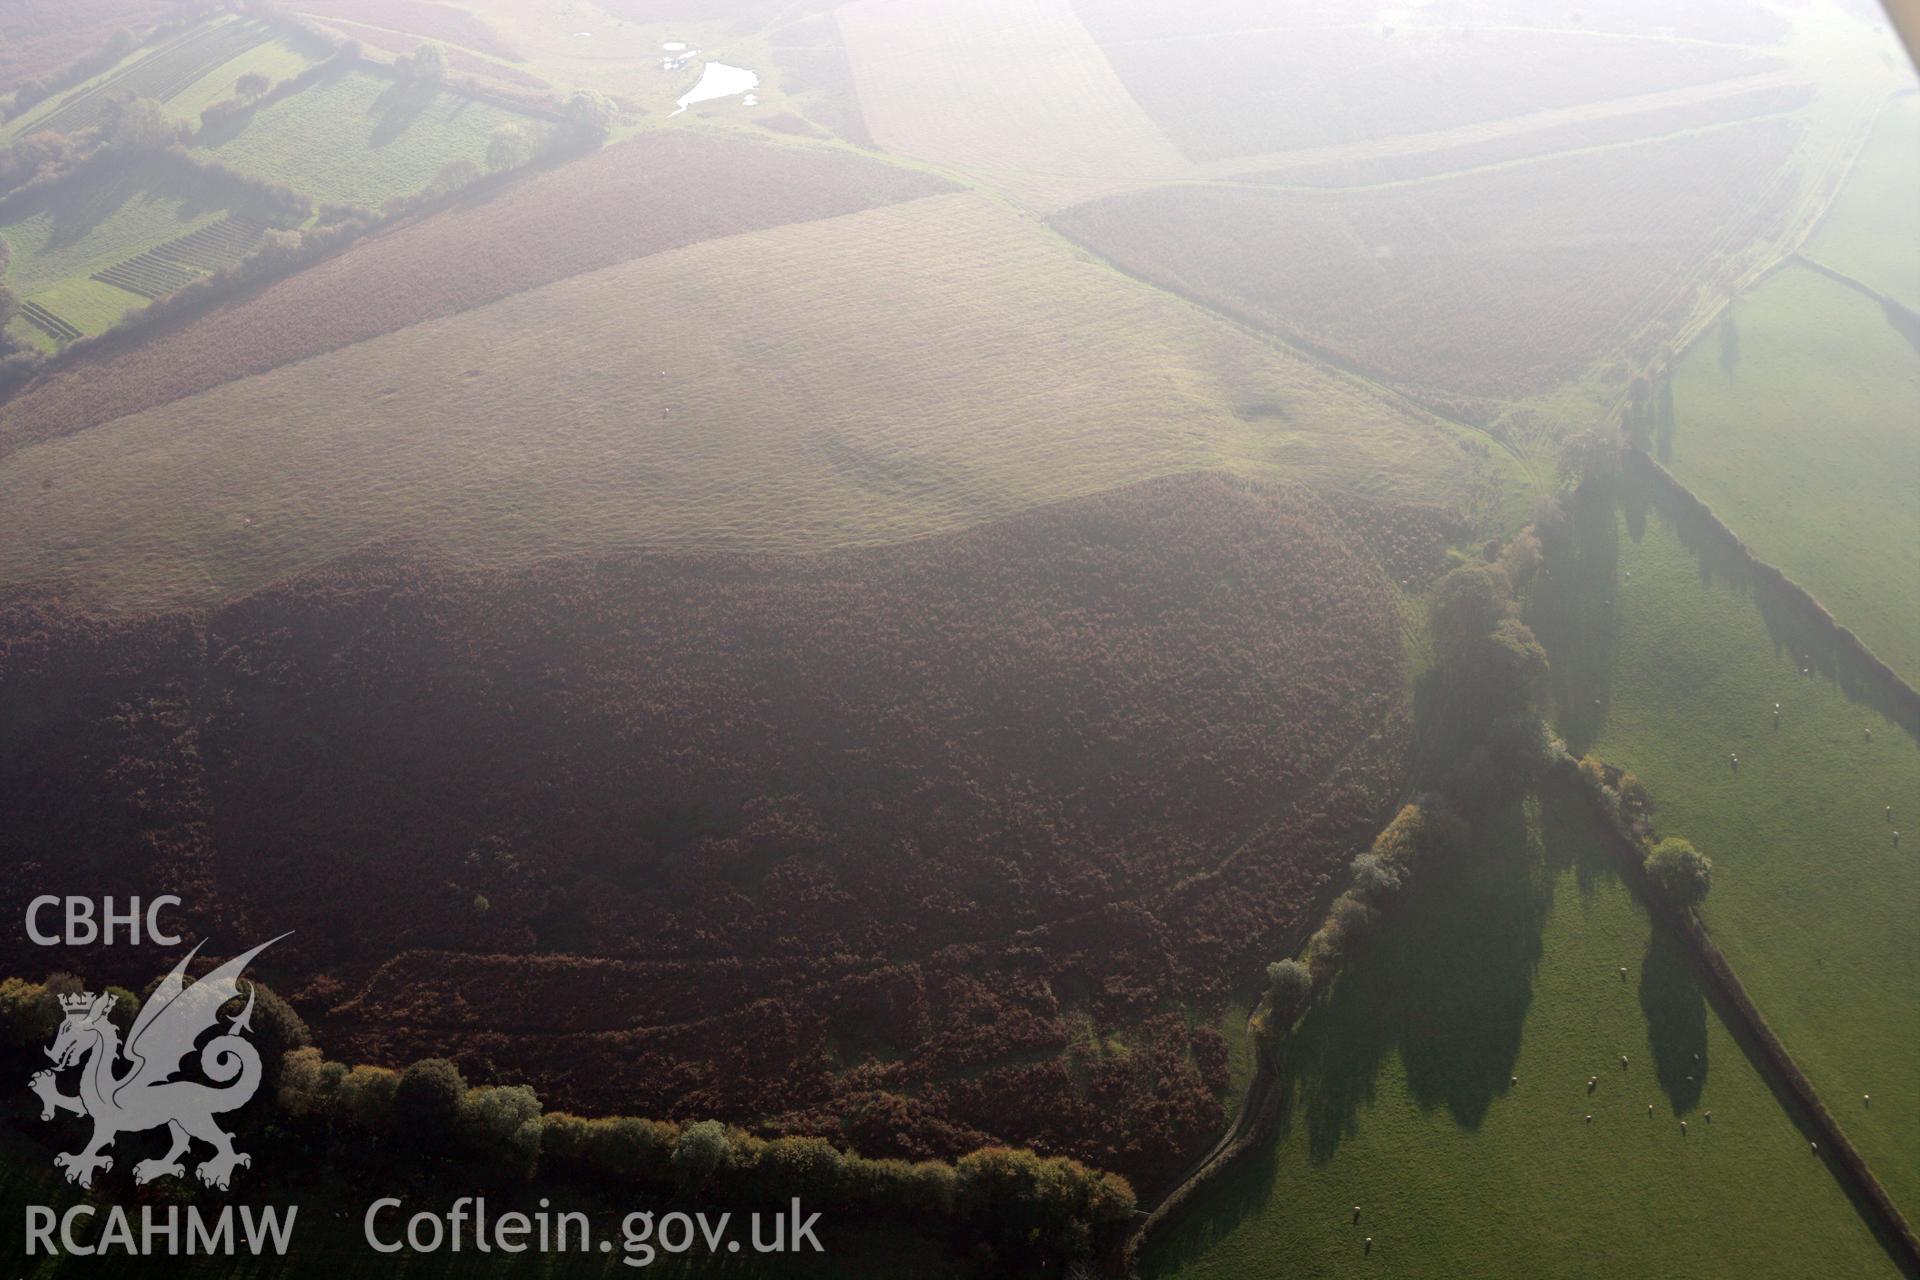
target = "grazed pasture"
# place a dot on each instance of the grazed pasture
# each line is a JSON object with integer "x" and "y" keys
{"x": 748, "y": 394}
{"x": 1670, "y": 661}
{"x": 1872, "y": 232}
{"x": 1800, "y": 433}
{"x": 1442, "y": 1088}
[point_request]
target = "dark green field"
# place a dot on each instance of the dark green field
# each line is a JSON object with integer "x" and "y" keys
{"x": 1812, "y": 902}
{"x": 1402, "y": 1099}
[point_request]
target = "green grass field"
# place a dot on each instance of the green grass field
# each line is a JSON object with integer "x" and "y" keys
{"x": 1506, "y": 964}
{"x": 1812, "y": 903}
{"x": 278, "y": 59}
{"x": 358, "y": 138}
{"x": 1873, "y": 230}
{"x": 60, "y": 239}
{"x": 1805, "y": 445}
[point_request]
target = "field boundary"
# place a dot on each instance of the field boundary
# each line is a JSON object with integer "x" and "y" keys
{"x": 1902, "y": 699}
{"x": 1849, "y": 1166}
{"x": 1259, "y": 1108}
{"x": 1903, "y": 317}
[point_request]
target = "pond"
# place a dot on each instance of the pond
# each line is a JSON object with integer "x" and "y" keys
{"x": 718, "y": 80}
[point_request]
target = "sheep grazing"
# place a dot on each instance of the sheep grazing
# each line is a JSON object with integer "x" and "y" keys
{"x": 1709, "y": 1117}
{"x": 1514, "y": 1080}
{"x": 1369, "y": 1245}
{"x": 1866, "y": 1099}
{"x": 1649, "y": 1111}
{"x": 1683, "y": 1128}
{"x": 1623, "y": 973}
{"x": 1814, "y": 1147}
{"x": 1623, "y": 1062}
{"x": 1356, "y": 1213}
{"x": 1589, "y": 1118}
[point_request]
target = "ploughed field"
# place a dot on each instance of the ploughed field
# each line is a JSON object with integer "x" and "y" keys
{"x": 916, "y": 847}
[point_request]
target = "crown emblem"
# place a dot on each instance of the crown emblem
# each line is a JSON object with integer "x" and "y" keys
{"x": 77, "y": 1003}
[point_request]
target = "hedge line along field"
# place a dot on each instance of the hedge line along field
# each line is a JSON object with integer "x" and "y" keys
{"x": 1497, "y": 283}
{"x": 915, "y": 847}
{"x": 363, "y": 139}
{"x": 1871, "y": 232}
{"x": 1272, "y": 73}
{"x": 1442, "y": 1087}
{"x": 974, "y": 367}
{"x": 590, "y": 213}
{"x": 1812, "y": 902}
{"x": 1798, "y": 430}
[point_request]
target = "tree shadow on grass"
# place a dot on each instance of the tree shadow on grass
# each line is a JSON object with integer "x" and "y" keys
{"x": 397, "y": 108}
{"x": 1676, "y": 1011}
{"x": 1797, "y": 632}
{"x": 1445, "y": 981}
{"x": 1571, "y": 611}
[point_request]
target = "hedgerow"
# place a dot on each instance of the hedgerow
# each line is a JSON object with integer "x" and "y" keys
{"x": 1029, "y": 1207}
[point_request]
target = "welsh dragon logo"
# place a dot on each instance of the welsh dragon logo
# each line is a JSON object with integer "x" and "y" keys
{"x": 130, "y": 1088}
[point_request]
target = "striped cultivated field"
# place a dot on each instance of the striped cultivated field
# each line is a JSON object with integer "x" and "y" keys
{"x": 179, "y": 262}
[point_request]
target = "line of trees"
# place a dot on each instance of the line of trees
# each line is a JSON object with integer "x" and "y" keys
{"x": 1427, "y": 828}
{"x": 1015, "y": 1208}
{"x": 1480, "y": 701}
